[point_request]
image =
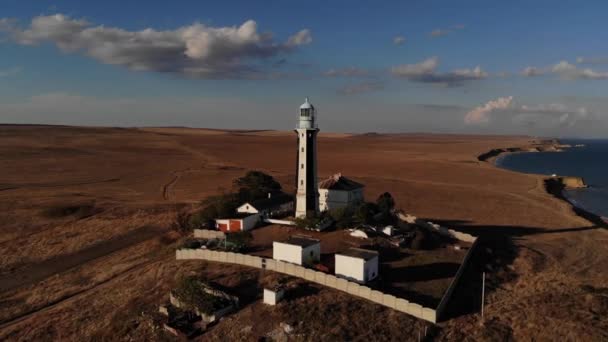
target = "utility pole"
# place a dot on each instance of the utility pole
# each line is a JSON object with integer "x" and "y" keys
{"x": 483, "y": 294}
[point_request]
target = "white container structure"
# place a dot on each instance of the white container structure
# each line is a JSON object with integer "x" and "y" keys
{"x": 297, "y": 250}
{"x": 273, "y": 295}
{"x": 356, "y": 264}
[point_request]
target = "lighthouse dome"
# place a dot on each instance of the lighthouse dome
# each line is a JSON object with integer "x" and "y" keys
{"x": 307, "y": 105}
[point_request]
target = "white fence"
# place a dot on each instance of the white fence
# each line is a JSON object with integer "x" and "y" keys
{"x": 321, "y": 278}
{"x": 275, "y": 221}
{"x": 332, "y": 281}
{"x": 208, "y": 234}
{"x": 437, "y": 228}
{"x": 451, "y": 233}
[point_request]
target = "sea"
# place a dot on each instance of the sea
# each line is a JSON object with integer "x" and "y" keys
{"x": 589, "y": 161}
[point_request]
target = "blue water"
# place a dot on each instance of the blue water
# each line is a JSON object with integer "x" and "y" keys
{"x": 589, "y": 162}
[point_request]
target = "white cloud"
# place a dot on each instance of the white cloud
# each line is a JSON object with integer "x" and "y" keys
{"x": 399, "y": 40}
{"x": 10, "y": 71}
{"x": 480, "y": 115}
{"x": 592, "y": 60}
{"x": 346, "y": 72}
{"x": 552, "y": 114}
{"x": 196, "y": 50}
{"x": 569, "y": 71}
{"x": 532, "y": 72}
{"x": 303, "y": 37}
{"x": 426, "y": 72}
{"x": 566, "y": 71}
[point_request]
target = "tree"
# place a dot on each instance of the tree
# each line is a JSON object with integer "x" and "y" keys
{"x": 385, "y": 203}
{"x": 218, "y": 206}
{"x": 255, "y": 185}
{"x": 364, "y": 213}
{"x": 343, "y": 217}
{"x": 181, "y": 222}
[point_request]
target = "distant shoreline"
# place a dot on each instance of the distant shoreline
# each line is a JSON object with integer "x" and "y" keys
{"x": 554, "y": 186}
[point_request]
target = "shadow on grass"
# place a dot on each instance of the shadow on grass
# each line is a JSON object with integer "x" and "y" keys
{"x": 432, "y": 271}
{"x": 301, "y": 291}
{"x": 496, "y": 249}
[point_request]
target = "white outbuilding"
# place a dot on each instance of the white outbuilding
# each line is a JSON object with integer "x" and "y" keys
{"x": 298, "y": 250}
{"x": 356, "y": 264}
{"x": 273, "y": 295}
{"x": 338, "y": 191}
{"x": 276, "y": 203}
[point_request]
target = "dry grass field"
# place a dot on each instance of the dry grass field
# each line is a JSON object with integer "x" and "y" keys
{"x": 87, "y": 252}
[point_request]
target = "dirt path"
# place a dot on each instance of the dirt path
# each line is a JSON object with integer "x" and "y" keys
{"x": 6, "y": 187}
{"x": 34, "y": 273}
{"x": 75, "y": 296}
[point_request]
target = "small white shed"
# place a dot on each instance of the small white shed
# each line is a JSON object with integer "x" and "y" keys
{"x": 356, "y": 264}
{"x": 273, "y": 295}
{"x": 297, "y": 250}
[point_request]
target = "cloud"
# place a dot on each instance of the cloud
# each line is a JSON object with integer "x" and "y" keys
{"x": 196, "y": 50}
{"x": 532, "y": 72}
{"x": 553, "y": 114}
{"x": 569, "y": 71}
{"x": 439, "y": 32}
{"x": 592, "y": 60}
{"x": 358, "y": 88}
{"x": 399, "y": 40}
{"x": 480, "y": 115}
{"x": 10, "y": 72}
{"x": 346, "y": 72}
{"x": 426, "y": 72}
{"x": 303, "y": 37}
{"x": 445, "y": 31}
{"x": 566, "y": 71}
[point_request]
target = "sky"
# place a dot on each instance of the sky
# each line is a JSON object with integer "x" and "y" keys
{"x": 536, "y": 68}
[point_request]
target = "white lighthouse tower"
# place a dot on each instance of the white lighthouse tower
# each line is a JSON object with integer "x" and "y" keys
{"x": 307, "y": 196}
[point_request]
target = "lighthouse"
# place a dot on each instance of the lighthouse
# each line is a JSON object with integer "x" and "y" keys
{"x": 307, "y": 195}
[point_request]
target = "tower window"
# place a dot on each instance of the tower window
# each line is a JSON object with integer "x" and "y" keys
{"x": 302, "y": 149}
{"x": 302, "y": 166}
{"x": 302, "y": 182}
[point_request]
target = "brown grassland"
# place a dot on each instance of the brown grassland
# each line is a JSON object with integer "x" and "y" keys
{"x": 87, "y": 252}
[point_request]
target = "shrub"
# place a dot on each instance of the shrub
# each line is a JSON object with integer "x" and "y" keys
{"x": 385, "y": 203}
{"x": 191, "y": 244}
{"x": 191, "y": 292}
{"x": 79, "y": 211}
{"x": 239, "y": 240}
{"x": 307, "y": 222}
